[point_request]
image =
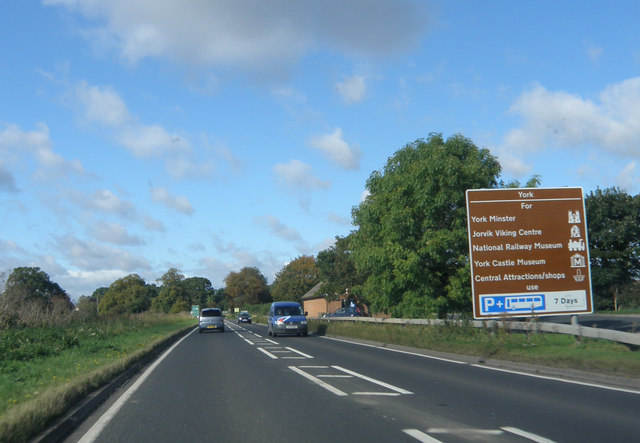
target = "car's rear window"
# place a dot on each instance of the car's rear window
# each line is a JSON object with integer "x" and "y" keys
{"x": 211, "y": 313}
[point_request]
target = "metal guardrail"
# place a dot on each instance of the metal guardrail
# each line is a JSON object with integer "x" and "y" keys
{"x": 556, "y": 328}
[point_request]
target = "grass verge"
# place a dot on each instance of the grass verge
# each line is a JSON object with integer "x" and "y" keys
{"x": 46, "y": 370}
{"x": 554, "y": 350}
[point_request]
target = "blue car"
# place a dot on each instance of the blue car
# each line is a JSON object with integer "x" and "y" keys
{"x": 345, "y": 312}
{"x": 286, "y": 317}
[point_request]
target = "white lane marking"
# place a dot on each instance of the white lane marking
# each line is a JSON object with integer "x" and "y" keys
{"x": 93, "y": 433}
{"x": 420, "y": 436}
{"x": 314, "y": 367}
{"x": 463, "y": 431}
{"x": 395, "y": 350}
{"x": 525, "y": 434}
{"x": 564, "y": 380}
{"x": 267, "y": 353}
{"x": 298, "y": 352}
{"x": 526, "y": 374}
{"x": 373, "y": 380}
{"x": 248, "y": 341}
{"x": 271, "y": 341}
{"x": 384, "y": 394}
{"x": 319, "y": 382}
{"x": 335, "y": 376}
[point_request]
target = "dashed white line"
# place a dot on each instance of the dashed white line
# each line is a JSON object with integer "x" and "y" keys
{"x": 420, "y": 436}
{"x": 525, "y": 434}
{"x": 298, "y": 352}
{"x": 381, "y": 394}
{"x": 465, "y": 431}
{"x": 373, "y": 380}
{"x": 319, "y": 382}
{"x": 264, "y": 351}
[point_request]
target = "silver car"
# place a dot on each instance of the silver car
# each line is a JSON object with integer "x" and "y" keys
{"x": 211, "y": 319}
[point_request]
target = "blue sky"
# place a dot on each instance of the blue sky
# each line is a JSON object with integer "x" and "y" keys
{"x": 141, "y": 135}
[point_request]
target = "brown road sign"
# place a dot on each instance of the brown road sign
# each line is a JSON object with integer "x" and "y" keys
{"x": 529, "y": 252}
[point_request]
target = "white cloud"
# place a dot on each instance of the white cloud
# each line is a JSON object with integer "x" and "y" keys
{"x": 105, "y": 201}
{"x": 280, "y": 230}
{"x": 15, "y": 142}
{"x": 338, "y": 151}
{"x": 92, "y": 256}
{"x": 152, "y": 224}
{"x": 561, "y": 120}
{"x": 114, "y": 233}
{"x": 78, "y": 280}
{"x": 628, "y": 178}
{"x": 298, "y": 174}
{"x": 251, "y": 33}
{"x": 146, "y": 141}
{"x": 352, "y": 90}
{"x": 7, "y": 180}
{"x": 338, "y": 219}
{"x": 594, "y": 52}
{"x": 177, "y": 202}
{"x": 102, "y": 105}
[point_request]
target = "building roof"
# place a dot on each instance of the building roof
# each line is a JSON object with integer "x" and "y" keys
{"x": 314, "y": 293}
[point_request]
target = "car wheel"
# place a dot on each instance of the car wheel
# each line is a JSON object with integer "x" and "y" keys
{"x": 274, "y": 333}
{"x": 304, "y": 334}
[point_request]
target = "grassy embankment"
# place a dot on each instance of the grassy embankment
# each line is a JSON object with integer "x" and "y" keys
{"x": 45, "y": 370}
{"x": 554, "y": 350}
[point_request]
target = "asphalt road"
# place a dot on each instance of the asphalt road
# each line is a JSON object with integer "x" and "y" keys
{"x": 243, "y": 386}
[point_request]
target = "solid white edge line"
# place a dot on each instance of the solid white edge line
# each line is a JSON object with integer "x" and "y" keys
{"x": 373, "y": 380}
{"x": 319, "y": 382}
{"x": 420, "y": 436}
{"x": 526, "y": 374}
{"x": 395, "y": 350}
{"x": 564, "y": 380}
{"x": 298, "y": 352}
{"x": 526, "y": 434}
{"x": 264, "y": 351}
{"x": 94, "y": 432}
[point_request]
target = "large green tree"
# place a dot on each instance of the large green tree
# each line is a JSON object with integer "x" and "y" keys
{"x": 295, "y": 279}
{"x": 336, "y": 268}
{"x": 31, "y": 285}
{"x": 173, "y": 295}
{"x": 247, "y": 287}
{"x": 411, "y": 240}
{"x": 613, "y": 222}
{"x": 129, "y": 294}
{"x": 199, "y": 290}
